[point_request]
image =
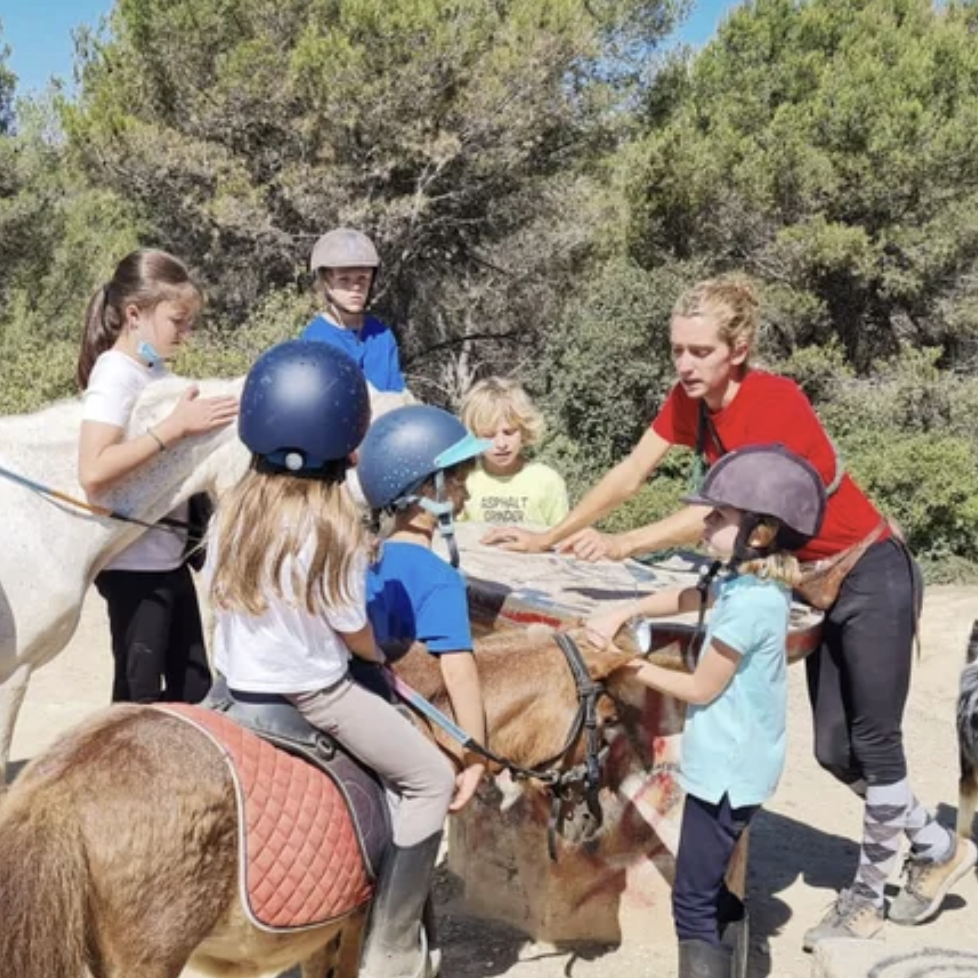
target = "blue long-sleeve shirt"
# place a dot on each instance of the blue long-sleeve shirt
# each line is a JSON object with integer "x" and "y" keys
{"x": 373, "y": 347}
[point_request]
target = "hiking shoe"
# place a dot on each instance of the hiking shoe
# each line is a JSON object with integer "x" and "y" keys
{"x": 847, "y": 917}
{"x": 929, "y": 882}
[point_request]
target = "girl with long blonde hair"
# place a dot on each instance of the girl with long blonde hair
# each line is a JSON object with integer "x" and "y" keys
{"x": 287, "y": 564}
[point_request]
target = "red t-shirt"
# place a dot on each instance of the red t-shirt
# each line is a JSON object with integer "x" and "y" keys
{"x": 768, "y": 409}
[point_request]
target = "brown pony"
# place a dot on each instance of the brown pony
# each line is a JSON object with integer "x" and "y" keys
{"x": 118, "y": 845}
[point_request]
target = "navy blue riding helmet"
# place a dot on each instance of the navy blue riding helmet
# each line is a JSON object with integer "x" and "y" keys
{"x": 304, "y": 406}
{"x": 406, "y": 447}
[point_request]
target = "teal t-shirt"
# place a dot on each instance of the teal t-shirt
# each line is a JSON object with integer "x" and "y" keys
{"x": 736, "y": 744}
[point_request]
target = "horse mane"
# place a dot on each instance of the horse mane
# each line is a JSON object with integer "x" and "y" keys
{"x": 528, "y": 688}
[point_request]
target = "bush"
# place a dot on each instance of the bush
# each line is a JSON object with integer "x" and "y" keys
{"x": 607, "y": 368}
{"x": 221, "y": 351}
{"x": 928, "y": 483}
{"x": 36, "y": 374}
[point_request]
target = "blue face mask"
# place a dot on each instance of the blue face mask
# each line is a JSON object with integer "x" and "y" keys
{"x": 147, "y": 353}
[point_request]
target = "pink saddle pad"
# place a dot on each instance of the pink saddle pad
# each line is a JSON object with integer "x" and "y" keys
{"x": 300, "y": 861}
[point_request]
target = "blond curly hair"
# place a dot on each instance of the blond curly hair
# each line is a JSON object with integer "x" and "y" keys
{"x": 497, "y": 401}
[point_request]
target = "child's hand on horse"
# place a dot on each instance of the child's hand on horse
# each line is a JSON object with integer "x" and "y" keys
{"x": 194, "y": 414}
{"x": 466, "y": 784}
{"x": 602, "y": 628}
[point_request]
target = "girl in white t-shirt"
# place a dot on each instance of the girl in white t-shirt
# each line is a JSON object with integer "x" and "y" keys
{"x": 287, "y": 562}
{"x": 134, "y": 323}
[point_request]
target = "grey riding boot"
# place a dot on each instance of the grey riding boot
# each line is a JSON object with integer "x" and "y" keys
{"x": 699, "y": 959}
{"x": 396, "y": 945}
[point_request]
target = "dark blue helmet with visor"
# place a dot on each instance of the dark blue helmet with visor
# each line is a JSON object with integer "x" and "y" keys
{"x": 405, "y": 448}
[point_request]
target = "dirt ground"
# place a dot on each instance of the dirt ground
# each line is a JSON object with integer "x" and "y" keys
{"x": 802, "y": 849}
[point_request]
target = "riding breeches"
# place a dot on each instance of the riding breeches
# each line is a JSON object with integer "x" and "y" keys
{"x": 858, "y": 679}
{"x": 391, "y": 745}
{"x": 157, "y": 636}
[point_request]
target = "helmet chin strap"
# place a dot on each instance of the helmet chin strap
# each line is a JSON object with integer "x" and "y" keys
{"x": 742, "y": 550}
{"x": 695, "y": 647}
{"x": 443, "y": 510}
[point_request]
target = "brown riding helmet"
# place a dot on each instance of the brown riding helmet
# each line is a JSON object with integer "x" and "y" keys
{"x": 767, "y": 480}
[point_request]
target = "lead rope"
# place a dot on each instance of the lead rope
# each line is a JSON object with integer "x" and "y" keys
{"x": 166, "y": 524}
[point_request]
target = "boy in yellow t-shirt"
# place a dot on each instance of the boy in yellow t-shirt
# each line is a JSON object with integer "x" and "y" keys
{"x": 506, "y": 488}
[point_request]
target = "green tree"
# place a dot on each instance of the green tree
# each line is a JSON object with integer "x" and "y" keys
{"x": 831, "y": 148}
{"x": 452, "y": 132}
{"x": 59, "y": 238}
{"x": 7, "y": 83}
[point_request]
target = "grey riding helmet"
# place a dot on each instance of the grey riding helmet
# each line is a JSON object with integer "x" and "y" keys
{"x": 344, "y": 248}
{"x": 767, "y": 480}
{"x": 406, "y": 446}
{"x": 304, "y": 405}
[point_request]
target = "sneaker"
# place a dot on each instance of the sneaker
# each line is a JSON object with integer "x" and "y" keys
{"x": 929, "y": 882}
{"x": 847, "y": 917}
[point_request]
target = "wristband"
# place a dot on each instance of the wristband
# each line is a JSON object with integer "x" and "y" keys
{"x": 159, "y": 441}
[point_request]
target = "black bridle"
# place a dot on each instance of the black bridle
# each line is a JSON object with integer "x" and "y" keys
{"x": 560, "y": 781}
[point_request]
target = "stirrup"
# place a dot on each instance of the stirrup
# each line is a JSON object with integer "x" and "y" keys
{"x": 428, "y": 967}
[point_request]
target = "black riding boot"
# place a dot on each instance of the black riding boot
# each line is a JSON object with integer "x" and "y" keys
{"x": 734, "y": 925}
{"x": 699, "y": 959}
{"x": 430, "y": 926}
{"x": 396, "y": 945}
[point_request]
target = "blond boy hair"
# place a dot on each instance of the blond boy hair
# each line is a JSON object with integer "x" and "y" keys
{"x": 499, "y": 401}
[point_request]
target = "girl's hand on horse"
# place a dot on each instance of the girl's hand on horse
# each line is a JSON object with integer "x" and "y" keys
{"x": 601, "y": 629}
{"x": 590, "y": 544}
{"x": 517, "y": 540}
{"x": 195, "y": 415}
{"x": 466, "y": 785}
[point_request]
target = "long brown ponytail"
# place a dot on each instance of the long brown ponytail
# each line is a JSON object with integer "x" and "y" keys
{"x": 144, "y": 278}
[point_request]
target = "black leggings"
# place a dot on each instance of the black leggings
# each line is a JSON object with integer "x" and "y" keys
{"x": 859, "y": 678}
{"x": 157, "y": 636}
{"x": 707, "y": 839}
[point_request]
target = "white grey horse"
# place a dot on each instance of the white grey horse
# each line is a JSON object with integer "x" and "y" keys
{"x": 50, "y": 551}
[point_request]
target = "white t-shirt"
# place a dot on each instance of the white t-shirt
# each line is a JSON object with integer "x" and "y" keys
{"x": 114, "y": 386}
{"x": 286, "y": 649}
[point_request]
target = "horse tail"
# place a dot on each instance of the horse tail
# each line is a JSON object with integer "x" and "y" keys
{"x": 43, "y": 886}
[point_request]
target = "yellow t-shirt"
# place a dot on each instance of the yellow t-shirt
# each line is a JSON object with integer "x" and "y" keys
{"x": 536, "y": 494}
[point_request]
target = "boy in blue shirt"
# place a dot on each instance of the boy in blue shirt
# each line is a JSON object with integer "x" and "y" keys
{"x": 413, "y": 465}
{"x": 764, "y": 502}
{"x": 344, "y": 264}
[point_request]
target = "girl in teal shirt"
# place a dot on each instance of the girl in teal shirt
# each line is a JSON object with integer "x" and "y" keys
{"x": 765, "y": 502}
